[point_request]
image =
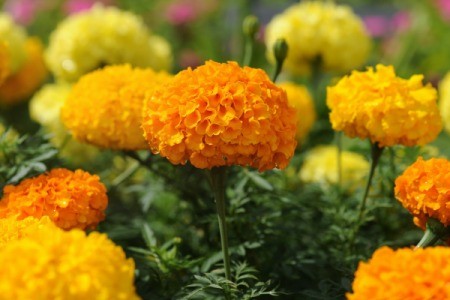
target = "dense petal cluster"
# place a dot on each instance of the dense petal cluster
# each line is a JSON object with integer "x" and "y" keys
{"x": 12, "y": 229}
{"x": 28, "y": 78}
{"x": 71, "y": 199}
{"x": 49, "y": 263}
{"x": 221, "y": 114}
{"x": 389, "y": 110}
{"x": 424, "y": 190}
{"x": 45, "y": 108}
{"x": 300, "y": 99}
{"x": 104, "y": 107}
{"x": 319, "y": 32}
{"x": 444, "y": 101}
{"x": 321, "y": 166}
{"x": 14, "y": 37}
{"x": 104, "y": 36}
{"x": 401, "y": 274}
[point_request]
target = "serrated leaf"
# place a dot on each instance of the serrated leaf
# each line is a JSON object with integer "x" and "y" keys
{"x": 148, "y": 235}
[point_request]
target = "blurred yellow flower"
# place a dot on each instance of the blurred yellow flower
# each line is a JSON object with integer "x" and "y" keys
{"x": 14, "y": 37}
{"x": 221, "y": 114}
{"x": 299, "y": 98}
{"x": 387, "y": 109}
{"x": 321, "y": 166}
{"x": 45, "y": 107}
{"x": 49, "y": 263}
{"x": 104, "y": 36}
{"x": 105, "y": 107}
{"x": 28, "y": 78}
{"x": 402, "y": 274}
{"x": 4, "y": 62}
{"x": 12, "y": 229}
{"x": 72, "y": 199}
{"x": 424, "y": 190}
{"x": 319, "y": 31}
{"x": 444, "y": 101}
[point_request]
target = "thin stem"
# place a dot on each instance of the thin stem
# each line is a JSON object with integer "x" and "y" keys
{"x": 248, "y": 51}
{"x": 428, "y": 239}
{"x": 277, "y": 71}
{"x": 217, "y": 181}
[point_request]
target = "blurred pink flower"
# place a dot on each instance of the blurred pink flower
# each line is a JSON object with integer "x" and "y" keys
{"x": 179, "y": 12}
{"x": 444, "y": 8}
{"x": 24, "y": 11}
{"x": 401, "y": 21}
{"x": 377, "y": 26}
{"x": 76, "y": 6}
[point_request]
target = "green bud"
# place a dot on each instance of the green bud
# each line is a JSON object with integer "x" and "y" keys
{"x": 280, "y": 50}
{"x": 250, "y": 26}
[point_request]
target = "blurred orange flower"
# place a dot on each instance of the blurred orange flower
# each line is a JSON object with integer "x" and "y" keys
{"x": 424, "y": 190}
{"x": 385, "y": 108}
{"x": 400, "y": 274}
{"x": 71, "y": 199}
{"x": 221, "y": 114}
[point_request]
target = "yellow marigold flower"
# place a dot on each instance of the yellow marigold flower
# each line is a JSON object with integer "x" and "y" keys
{"x": 50, "y": 263}
{"x": 319, "y": 30}
{"x": 104, "y": 36}
{"x": 321, "y": 166}
{"x": 221, "y": 114}
{"x": 385, "y": 108}
{"x": 25, "y": 81}
{"x": 300, "y": 99}
{"x": 71, "y": 199}
{"x": 4, "y": 62}
{"x": 45, "y": 107}
{"x": 12, "y": 229}
{"x": 444, "y": 101}
{"x": 424, "y": 190}
{"x": 403, "y": 274}
{"x": 14, "y": 37}
{"x": 105, "y": 107}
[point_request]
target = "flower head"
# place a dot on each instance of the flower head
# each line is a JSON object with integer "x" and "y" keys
{"x": 91, "y": 39}
{"x": 12, "y": 229}
{"x": 23, "y": 83}
{"x": 45, "y": 108}
{"x": 71, "y": 199}
{"x": 14, "y": 37}
{"x": 423, "y": 273}
{"x": 299, "y": 98}
{"x": 321, "y": 166}
{"x": 316, "y": 30}
{"x": 424, "y": 190}
{"x": 105, "y": 107}
{"x": 221, "y": 114}
{"x": 387, "y": 109}
{"x": 57, "y": 264}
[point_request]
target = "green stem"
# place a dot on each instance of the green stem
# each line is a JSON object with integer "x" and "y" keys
{"x": 429, "y": 238}
{"x": 217, "y": 180}
{"x": 376, "y": 154}
{"x": 248, "y": 51}
{"x": 277, "y": 71}
{"x": 434, "y": 231}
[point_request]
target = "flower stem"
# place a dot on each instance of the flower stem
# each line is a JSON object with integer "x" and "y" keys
{"x": 217, "y": 181}
{"x": 434, "y": 231}
{"x": 429, "y": 238}
{"x": 280, "y": 51}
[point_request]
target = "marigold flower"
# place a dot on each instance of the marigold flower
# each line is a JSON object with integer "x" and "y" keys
{"x": 424, "y": 190}
{"x": 319, "y": 30}
{"x": 299, "y": 98}
{"x": 321, "y": 166}
{"x": 14, "y": 37}
{"x": 24, "y": 82}
{"x": 71, "y": 199}
{"x": 57, "y": 264}
{"x": 221, "y": 114}
{"x": 88, "y": 40}
{"x": 45, "y": 108}
{"x": 12, "y": 229}
{"x": 385, "y": 108}
{"x": 400, "y": 274}
{"x": 105, "y": 107}
{"x": 444, "y": 101}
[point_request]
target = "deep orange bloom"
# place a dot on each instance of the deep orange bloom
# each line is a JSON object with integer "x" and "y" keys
{"x": 71, "y": 199}
{"x": 221, "y": 114}
{"x": 424, "y": 190}
{"x": 21, "y": 85}
{"x": 404, "y": 274}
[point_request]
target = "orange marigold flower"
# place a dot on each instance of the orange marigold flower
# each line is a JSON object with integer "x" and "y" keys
{"x": 71, "y": 199}
{"x": 401, "y": 274}
{"x": 300, "y": 99}
{"x": 105, "y": 107}
{"x": 424, "y": 190}
{"x": 221, "y": 114}
{"x": 385, "y": 108}
{"x": 12, "y": 229}
{"x": 21, "y": 85}
{"x": 50, "y": 263}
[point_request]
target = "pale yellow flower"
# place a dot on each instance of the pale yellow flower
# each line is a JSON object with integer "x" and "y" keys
{"x": 15, "y": 38}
